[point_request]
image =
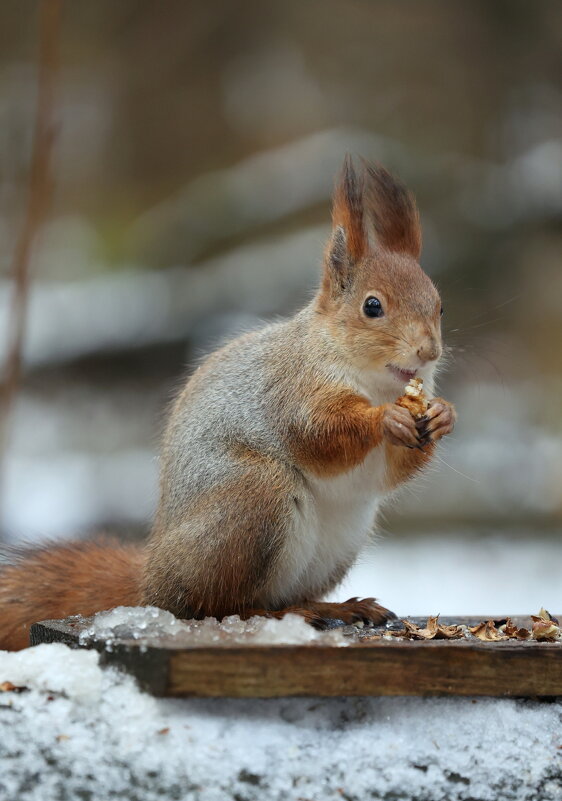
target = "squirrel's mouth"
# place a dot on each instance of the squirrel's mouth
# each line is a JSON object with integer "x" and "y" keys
{"x": 402, "y": 373}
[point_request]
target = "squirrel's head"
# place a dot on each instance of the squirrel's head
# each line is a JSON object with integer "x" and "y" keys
{"x": 382, "y": 309}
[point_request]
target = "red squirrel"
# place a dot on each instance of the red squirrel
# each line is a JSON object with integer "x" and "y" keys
{"x": 280, "y": 447}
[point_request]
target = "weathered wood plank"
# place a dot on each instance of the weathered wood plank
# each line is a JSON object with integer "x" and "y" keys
{"x": 382, "y": 668}
{"x": 365, "y": 667}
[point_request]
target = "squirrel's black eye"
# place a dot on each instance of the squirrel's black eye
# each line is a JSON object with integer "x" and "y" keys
{"x": 441, "y": 312}
{"x": 373, "y": 307}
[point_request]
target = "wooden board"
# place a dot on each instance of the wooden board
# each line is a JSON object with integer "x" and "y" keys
{"x": 365, "y": 667}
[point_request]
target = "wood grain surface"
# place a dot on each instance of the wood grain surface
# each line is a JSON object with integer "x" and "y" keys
{"x": 365, "y": 667}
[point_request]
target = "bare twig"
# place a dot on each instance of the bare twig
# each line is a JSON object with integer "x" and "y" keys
{"x": 40, "y": 186}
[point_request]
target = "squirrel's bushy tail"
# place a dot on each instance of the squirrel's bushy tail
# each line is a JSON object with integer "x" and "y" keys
{"x": 54, "y": 581}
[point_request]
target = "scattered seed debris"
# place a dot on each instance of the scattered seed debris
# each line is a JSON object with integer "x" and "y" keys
{"x": 544, "y": 628}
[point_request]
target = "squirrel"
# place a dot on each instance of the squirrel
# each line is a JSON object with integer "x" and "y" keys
{"x": 280, "y": 447}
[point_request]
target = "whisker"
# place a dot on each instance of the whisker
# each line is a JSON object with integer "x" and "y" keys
{"x": 454, "y": 469}
{"x": 458, "y": 354}
{"x": 402, "y": 337}
{"x": 399, "y": 339}
{"x": 472, "y": 327}
{"x": 465, "y": 327}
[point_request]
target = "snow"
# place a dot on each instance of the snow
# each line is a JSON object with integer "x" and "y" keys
{"x": 149, "y": 624}
{"x": 54, "y": 667}
{"x": 87, "y": 733}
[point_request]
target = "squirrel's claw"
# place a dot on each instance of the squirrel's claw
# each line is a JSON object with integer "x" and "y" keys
{"x": 355, "y": 610}
{"x": 439, "y": 420}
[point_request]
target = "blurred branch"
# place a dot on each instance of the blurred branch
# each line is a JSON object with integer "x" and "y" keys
{"x": 40, "y": 185}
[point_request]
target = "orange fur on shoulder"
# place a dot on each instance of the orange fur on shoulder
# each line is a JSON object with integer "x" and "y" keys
{"x": 342, "y": 428}
{"x": 55, "y": 581}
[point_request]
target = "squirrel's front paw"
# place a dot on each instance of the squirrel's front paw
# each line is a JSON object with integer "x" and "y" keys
{"x": 438, "y": 421}
{"x": 399, "y": 427}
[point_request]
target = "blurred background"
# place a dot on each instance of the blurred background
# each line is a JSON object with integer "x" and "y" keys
{"x": 194, "y": 157}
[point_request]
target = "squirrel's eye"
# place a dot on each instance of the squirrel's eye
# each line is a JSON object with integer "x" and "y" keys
{"x": 441, "y": 312}
{"x": 373, "y": 307}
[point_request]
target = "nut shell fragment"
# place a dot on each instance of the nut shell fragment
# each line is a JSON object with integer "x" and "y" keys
{"x": 487, "y": 631}
{"x": 433, "y": 631}
{"x": 511, "y": 631}
{"x": 545, "y": 627}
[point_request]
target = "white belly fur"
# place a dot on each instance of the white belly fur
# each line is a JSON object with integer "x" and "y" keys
{"x": 338, "y": 514}
{"x": 334, "y": 522}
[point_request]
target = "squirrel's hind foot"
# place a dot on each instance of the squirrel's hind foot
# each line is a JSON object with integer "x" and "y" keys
{"x": 362, "y": 611}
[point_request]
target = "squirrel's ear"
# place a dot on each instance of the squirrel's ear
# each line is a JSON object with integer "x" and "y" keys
{"x": 393, "y": 211}
{"x": 349, "y": 242}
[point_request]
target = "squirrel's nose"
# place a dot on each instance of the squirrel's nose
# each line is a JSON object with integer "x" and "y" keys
{"x": 429, "y": 351}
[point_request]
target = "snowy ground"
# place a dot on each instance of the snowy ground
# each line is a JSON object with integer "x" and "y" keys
{"x": 82, "y": 733}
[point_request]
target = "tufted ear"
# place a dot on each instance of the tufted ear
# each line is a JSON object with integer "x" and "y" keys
{"x": 349, "y": 241}
{"x": 392, "y": 210}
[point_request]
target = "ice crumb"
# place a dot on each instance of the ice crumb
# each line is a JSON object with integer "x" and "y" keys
{"x": 130, "y": 745}
{"x": 257, "y": 630}
{"x": 149, "y": 624}
{"x": 131, "y": 623}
